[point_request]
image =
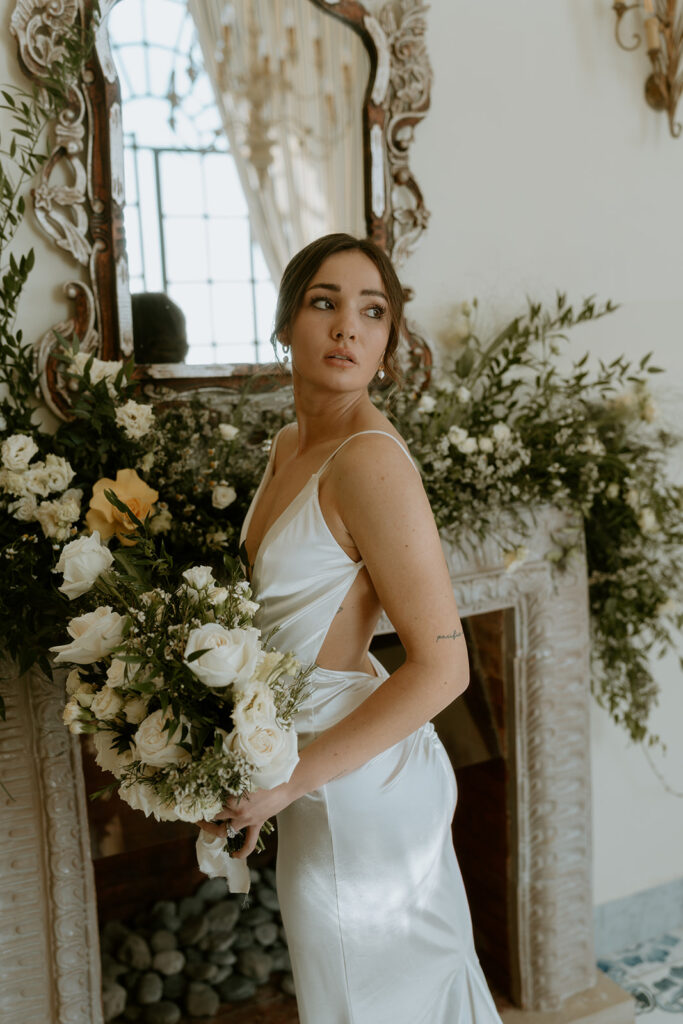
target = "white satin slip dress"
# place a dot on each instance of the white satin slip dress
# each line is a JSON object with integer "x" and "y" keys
{"x": 372, "y": 899}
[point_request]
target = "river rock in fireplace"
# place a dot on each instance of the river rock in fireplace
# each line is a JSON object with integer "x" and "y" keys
{"x": 190, "y": 955}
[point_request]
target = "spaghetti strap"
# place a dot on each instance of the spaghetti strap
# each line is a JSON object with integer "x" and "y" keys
{"x": 359, "y": 434}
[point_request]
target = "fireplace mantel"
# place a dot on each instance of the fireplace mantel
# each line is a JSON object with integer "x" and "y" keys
{"x": 48, "y": 922}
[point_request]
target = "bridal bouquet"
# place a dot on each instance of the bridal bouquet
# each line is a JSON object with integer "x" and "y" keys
{"x": 187, "y": 703}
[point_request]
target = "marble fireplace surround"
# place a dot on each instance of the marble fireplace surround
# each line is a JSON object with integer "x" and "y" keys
{"x": 48, "y": 923}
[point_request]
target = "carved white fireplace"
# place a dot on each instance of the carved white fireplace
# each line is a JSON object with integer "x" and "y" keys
{"x": 48, "y": 931}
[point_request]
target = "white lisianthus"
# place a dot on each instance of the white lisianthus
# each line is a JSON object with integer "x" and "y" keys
{"x": 94, "y": 635}
{"x": 160, "y": 523}
{"x": 612, "y": 491}
{"x": 647, "y": 520}
{"x": 468, "y": 446}
{"x": 71, "y": 716}
{"x": 246, "y": 605}
{"x": 216, "y": 538}
{"x": 135, "y": 710}
{"x": 426, "y": 404}
{"x": 25, "y": 509}
{"x": 501, "y": 433}
{"x": 254, "y": 706}
{"x": 142, "y": 797}
{"x": 463, "y": 394}
{"x": 100, "y": 369}
{"x": 120, "y": 672}
{"x": 106, "y": 704}
{"x": 456, "y": 435}
{"x": 197, "y": 806}
{"x": 227, "y": 431}
{"x": 106, "y": 754}
{"x": 485, "y": 444}
{"x": 81, "y": 562}
{"x": 135, "y": 419}
{"x": 268, "y": 663}
{"x": 223, "y": 495}
{"x": 17, "y": 451}
{"x": 513, "y": 559}
{"x": 153, "y": 741}
{"x": 85, "y": 694}
{"x": 36, "y": 480}
{"x": 73, "y": 682}
{"x": 230, "y": 656}
{"x": 199, "y": 577}
{"x": 51, "y": 522}
{"x": 270, "y": 749}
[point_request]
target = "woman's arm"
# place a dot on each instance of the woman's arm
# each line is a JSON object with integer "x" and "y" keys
{"x": 385, "y": 509}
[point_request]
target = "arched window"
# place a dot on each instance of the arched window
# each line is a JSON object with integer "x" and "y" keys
{"x": 187, "y": 225}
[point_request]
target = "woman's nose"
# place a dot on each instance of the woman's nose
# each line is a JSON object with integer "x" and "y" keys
{"x": 344, "y": 327}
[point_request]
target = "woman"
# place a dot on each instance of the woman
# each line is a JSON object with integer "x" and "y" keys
{"x": 371, "y": 895}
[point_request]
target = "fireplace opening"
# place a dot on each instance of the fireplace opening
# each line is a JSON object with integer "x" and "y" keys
{"x": 476, "y": 730}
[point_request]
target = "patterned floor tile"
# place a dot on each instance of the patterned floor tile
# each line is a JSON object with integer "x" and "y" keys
{"x": 652, "y": 972}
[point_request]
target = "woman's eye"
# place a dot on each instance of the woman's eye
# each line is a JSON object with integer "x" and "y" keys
{"x": 321, "y": 302}
{"x": 376, "y": 312}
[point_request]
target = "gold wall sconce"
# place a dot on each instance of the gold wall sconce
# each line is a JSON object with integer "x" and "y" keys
{"x": 664, "y": 39}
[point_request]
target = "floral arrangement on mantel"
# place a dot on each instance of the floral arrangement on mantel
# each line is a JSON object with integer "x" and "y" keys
{"x": 497, "y": 430}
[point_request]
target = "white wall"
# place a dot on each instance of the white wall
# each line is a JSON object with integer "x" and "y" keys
{"x": 544, "y": 169}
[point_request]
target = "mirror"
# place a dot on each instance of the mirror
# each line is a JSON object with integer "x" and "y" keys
{"x": 242, "y": 141}
{"x": 86, "y": 220}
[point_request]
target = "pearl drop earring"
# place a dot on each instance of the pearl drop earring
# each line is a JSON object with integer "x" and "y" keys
{"x": 285, "y": 358}
{"x": 380, "y": 372}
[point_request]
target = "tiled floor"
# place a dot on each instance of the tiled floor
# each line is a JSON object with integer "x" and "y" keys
{"x": 652, "y": 972}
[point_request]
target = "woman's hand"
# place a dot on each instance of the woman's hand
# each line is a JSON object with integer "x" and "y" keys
{"x": 248, "y": 813}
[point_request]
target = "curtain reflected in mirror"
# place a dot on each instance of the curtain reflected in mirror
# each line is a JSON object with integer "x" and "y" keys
{"x": 243, "y": 141}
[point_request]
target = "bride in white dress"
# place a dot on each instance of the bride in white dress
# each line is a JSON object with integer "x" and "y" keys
{"x": 372, "y": 899}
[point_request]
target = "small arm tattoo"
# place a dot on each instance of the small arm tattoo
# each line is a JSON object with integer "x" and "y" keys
{"x": 450, "y": 636}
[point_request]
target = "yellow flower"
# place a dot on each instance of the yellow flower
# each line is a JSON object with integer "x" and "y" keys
{"x": 133, "y": 492}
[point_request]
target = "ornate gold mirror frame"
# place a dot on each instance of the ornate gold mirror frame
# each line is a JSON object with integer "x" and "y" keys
{"x": 84, "y": 217}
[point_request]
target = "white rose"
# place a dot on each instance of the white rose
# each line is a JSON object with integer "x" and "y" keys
{"x": 17, "y": 451}
{"x": 153, "y": 743}
{"x": 426, "y": 404}
{"x": 106, "y": 704}
{"x": 135, "y": 419}
{"x": 120, "y": 672}
{"x": 25, "y": 510}
{"x": 71, "y": 716}
{"x": 59, "y": 473}
{"x": 463, "y": 394}
{"x": 199, "y": 577}
{"x": 223, "y": 495}
{"x": 647, "y": 520}
{"x": 107, "y": 756}
{"x": 142, "y": 797}
{"x": 227, "y": 431}
{"x": 81, "y": 562}
{"x": 160, "y": 523}
{"x": 100, "y": 369}
{"x": 468, "y": 446}
{"x": 456, "y": 435}
{"x": 270, "y": 749}
{"x": 85, "y": 694}
{"x": 36, "y": 480}
{"x": 501, "y": 433}
{"x": 485, "y": 444}
{"x": 612, "y": 491}
{"x": 94, "y": 634}
{"x": 135, "y": 710}
{"x": 231, "y": 654}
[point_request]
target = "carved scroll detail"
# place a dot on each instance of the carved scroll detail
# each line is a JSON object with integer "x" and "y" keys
{"x": 404, "y": 25}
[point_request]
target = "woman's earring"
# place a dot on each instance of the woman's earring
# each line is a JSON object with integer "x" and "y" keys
{"x": 285, "y": 358}
{"x": 380, "y": 372}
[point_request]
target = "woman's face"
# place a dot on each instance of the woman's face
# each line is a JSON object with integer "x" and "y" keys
{"x": 339, "y": 334}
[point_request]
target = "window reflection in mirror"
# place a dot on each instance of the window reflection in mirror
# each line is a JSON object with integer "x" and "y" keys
{"x": 242, "y": 130}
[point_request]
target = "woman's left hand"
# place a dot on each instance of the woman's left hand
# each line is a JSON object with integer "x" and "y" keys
{"x": 248, "y": 813}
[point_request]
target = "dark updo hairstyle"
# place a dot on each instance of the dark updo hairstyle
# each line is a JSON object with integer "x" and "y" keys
{"x": 301, "y": 269}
